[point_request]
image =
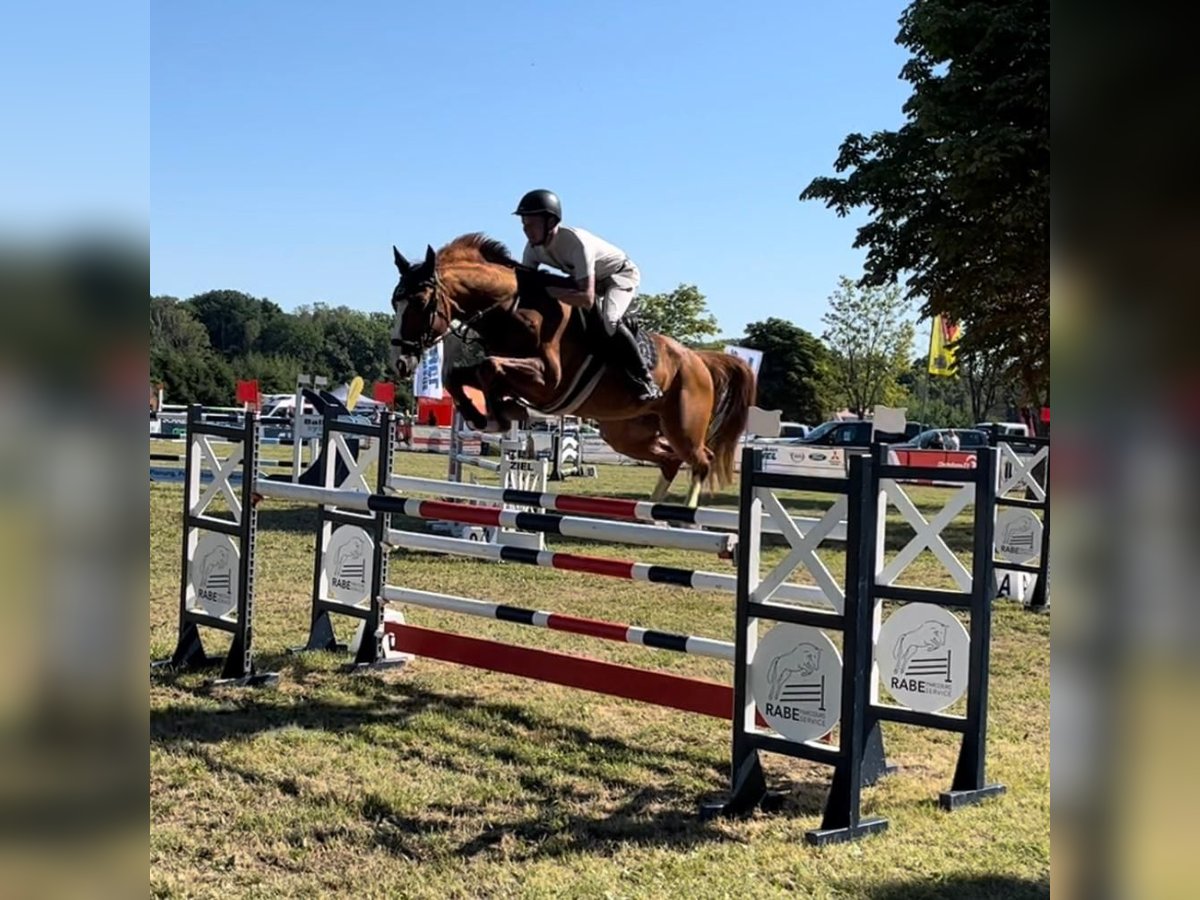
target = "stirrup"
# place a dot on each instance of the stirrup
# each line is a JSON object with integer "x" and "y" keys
{"x": 646, "y": 390}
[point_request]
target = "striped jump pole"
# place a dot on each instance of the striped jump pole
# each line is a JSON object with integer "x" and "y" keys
{"x": 492, "y": 517}
{"x": 179, "y": 457}
{"x": 694, "y": 695}
{"x": 478, "y": 462}
{"x": 609, "y": 631}
{"x": 596, "y": 565}
{"x": 636, "y": 510}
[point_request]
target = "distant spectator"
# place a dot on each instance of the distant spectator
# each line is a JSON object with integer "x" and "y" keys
{"x": 951, "y": 441}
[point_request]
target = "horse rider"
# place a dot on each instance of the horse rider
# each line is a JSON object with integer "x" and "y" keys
{"x": 604, "y": 277}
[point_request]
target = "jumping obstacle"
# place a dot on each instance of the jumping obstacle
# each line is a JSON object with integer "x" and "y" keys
{"x": 517, "y": 468}
{"x": 792, "y": 687}
{"x": 566, "y": 454}
{"x": 295, "y": 469}
{"x": 216, "y": 587}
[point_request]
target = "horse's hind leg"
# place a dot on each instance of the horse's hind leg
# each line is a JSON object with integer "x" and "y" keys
{"x": 685, "y": 425}
{"x": 640, "y": 439}
{"x": 667, "y": 472}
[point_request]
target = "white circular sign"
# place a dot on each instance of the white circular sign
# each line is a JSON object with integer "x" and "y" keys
{"x": 796, "y": 681}
{"x": 924, "y": 657}
{"x": 213, "y": 575}
{"x": 1018, "y": 535}
{"x": 349, "y": 561}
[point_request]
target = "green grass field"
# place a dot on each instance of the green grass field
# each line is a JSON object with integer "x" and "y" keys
{"x": 441, "y": 781}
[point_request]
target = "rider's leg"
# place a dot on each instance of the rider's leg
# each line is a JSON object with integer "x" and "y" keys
{"x": 622, "y": 344}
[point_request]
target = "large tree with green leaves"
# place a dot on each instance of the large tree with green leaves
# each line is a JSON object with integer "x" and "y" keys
{"x": 682, "y": 314}
{"x": 870, "y": 340}
{"x": 793, "y": 374}
{"x": 959, "y": 197}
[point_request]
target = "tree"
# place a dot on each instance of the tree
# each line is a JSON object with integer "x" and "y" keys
{"x": 182, "y": 358}
{"x": 937, "y": 401}
{"x": 793, "y": 375}
{"x": 192, "y": 378}
{"x": 173, "y": 327}
{"x": 682, "y": 314}
{"x": 870, "y": 342}
{"x": 991, "y": 387}
{"x": 959, "y": 197}
{"x": 235, "y": 321}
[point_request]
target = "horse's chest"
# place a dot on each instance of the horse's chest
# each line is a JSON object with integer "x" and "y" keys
{"x": 523, "y": 332}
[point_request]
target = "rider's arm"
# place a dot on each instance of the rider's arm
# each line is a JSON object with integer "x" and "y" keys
{"x": 583, "y": 296}
{"x": 583, "y": 269}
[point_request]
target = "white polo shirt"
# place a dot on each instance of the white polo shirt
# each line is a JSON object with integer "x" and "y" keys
{"x": 579, "y": 253}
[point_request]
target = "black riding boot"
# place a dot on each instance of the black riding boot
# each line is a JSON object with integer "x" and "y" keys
{"x": 625, "y": 353}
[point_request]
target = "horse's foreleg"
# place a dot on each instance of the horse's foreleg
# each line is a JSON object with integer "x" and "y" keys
{"x": 456, "y": 380}
{"x": 504, "y": 378}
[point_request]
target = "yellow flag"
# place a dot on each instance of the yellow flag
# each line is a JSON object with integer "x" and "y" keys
{"x": 354, "y": 392}
{"x": 941, "y": 355}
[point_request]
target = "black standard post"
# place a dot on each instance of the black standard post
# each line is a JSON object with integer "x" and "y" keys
{"x": 370, "y": 649}
{"x": 843, "y": 820}
{"x": 189, "y": 647}
{"x": 321, "y": 635}
{"x": 239, "y": 664}
{"x": 748, "y": 785}
{"x": 970, "y": 783}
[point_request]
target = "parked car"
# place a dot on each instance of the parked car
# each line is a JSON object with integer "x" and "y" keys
{"x": 934, "y": 439}
{"x": 856, "y": 433}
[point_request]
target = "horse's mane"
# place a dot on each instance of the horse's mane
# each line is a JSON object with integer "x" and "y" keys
{"x": 475, "y": 246}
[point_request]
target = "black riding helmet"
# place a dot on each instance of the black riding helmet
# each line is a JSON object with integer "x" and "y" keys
{"x": 539, "y": 201}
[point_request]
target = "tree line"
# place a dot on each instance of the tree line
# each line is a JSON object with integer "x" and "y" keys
{"x": 202, "y": 346}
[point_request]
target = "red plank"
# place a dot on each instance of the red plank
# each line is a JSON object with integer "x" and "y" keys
{"x": 695, "y": 695}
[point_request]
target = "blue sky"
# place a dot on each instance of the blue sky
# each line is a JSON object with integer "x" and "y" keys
{"x": 77, "y": 136}
{"x": 292, "y": 144}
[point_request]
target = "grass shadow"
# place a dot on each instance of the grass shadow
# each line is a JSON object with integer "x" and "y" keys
{"x": 294, "y": 520}
{"x": 579, "y": 792}
{"x": 977, "y": 887}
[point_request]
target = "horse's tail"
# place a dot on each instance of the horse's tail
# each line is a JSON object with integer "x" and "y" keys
{"x": 733, "y": 395}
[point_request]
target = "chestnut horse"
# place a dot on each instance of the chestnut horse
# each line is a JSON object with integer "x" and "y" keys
{"x": 542, "y": 354}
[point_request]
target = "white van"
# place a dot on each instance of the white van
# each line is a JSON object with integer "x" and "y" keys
{"x": 1004, "y": 429}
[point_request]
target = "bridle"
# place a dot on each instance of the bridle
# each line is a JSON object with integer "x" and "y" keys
{"x": 430, "y": 338}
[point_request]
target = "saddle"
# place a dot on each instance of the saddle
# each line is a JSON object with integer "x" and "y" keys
{"x": 587, "y": 324}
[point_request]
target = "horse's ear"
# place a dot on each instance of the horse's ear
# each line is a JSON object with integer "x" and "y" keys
{"x": 401, "y": 263}
{"x": 430, "y": 255}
